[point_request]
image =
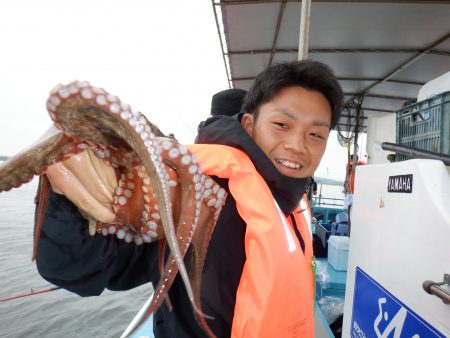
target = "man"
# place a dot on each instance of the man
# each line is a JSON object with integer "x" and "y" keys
{"x": 350, "y": 170}
{"x": 257, "y": 280}
{"x": 312, "y": 190}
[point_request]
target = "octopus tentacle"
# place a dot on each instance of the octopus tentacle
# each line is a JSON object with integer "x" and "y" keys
{"x": 185, "y": 164}
{"x": 34, "y": 161}
{"x": 214, "y": 198}
{"x": 190, "y": 200}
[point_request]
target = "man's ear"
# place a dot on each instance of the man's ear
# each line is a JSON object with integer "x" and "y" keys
{"x": 247, "y": 123}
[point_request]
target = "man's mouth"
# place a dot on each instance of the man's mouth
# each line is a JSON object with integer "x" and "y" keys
{"x": 289, "y": 164}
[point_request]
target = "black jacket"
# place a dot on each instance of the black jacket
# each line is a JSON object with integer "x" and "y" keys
{"x": 70, "y": 258}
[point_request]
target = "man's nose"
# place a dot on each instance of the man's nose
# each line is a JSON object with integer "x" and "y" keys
{"x": 296, "y": 142}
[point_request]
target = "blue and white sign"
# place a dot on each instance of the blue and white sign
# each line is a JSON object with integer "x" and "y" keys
{"x": 379, "y": 314}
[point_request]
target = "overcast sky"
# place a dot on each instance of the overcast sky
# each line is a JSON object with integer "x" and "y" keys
{"x": 161, "y": 57}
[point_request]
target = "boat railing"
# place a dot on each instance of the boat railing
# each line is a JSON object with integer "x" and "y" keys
{"x": 327, "y": 201}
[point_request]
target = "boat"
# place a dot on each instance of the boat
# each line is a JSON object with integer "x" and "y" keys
{"x": 391, "y": 276}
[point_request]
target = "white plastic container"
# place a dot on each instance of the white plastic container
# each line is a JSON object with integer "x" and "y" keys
{"x": 434, "y": 87}
{"x": 338, "y": 252}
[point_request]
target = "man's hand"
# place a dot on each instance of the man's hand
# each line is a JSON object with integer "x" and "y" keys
{"x": 87, "y": 182}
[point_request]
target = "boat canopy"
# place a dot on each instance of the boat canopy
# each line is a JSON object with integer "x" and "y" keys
{"x": 381, "y": 51}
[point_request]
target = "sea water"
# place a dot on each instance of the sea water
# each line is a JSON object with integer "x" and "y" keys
{"x": 58, "y": 313}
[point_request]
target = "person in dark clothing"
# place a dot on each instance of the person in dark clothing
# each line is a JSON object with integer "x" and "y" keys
{"x": 312, "y": 190}
{"x": 227, "y": 102}
{"x": 283, "y": 131}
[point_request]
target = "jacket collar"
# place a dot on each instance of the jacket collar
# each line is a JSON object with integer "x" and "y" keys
{"x": 228, "y": 131}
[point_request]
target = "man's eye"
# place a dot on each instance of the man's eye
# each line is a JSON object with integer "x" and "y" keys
{"x": 317, "y": 136}
{"x": 281, "y": 125}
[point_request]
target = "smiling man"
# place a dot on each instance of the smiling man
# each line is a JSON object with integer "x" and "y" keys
{"x": 287, "y": 117}
{"x": 257, "y": 279}
{"x": 292, "y": 129}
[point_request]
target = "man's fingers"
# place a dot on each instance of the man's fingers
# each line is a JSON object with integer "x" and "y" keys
{"x": 106, "y": 173}
{"x": 82, "y": 168}
{"x": 65, "y": 182}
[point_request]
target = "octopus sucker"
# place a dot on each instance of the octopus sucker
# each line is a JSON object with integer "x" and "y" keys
{"x": 161, "y": 189}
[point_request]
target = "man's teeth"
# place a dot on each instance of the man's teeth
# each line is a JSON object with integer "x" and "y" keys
{"x": 289, "y": 164}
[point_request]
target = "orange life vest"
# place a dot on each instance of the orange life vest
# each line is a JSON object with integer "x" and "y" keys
{"x": 351, "y": 175}
{"x": 275, "y": 295}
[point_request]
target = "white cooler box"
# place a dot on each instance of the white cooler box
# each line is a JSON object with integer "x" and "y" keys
{"x": 338, "y": 252}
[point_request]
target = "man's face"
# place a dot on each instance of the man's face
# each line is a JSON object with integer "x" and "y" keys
{"x": 292, "y": 130}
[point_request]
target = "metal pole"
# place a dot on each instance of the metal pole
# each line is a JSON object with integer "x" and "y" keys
{"x": 304, "y": 30}
{"x": 416, "y": 153}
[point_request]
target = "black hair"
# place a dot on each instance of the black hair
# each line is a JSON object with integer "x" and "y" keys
{"x": 308, "y": 74}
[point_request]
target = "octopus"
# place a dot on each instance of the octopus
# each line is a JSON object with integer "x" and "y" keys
{"x": 162, "y": 194}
